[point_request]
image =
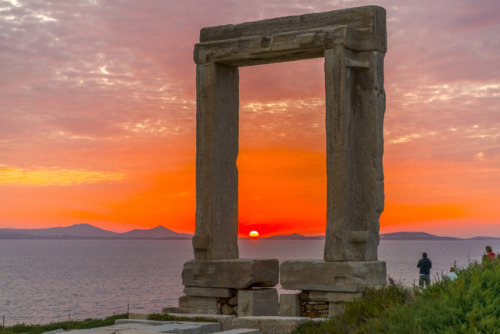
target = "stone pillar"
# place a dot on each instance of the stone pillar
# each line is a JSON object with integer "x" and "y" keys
{"x": 355, "y": 106}
{"x": 217, "y": 103}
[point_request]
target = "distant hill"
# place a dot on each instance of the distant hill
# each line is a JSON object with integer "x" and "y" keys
{"x": 87, "y": 231}
{"x": 413, "y": 236}
{"x": 157, "y": 232}
{"x": 294, "y": 236}
{"x": 386, "y": 236}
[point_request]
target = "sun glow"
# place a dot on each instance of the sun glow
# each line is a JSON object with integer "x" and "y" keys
{"x": 253, "y": 234}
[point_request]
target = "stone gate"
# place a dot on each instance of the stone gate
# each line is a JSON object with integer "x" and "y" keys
{"x": 353, "y": 44}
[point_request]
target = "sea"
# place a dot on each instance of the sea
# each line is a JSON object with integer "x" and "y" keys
{"x": 44, "y": 281}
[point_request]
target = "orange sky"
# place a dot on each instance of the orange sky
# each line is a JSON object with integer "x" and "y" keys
{"x": 97, "y": 120}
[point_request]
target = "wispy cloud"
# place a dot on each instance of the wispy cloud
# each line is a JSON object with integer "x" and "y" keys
{"x": 54, "y": 177}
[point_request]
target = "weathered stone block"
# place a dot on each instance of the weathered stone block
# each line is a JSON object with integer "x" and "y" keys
{"x": 233, "y": 301}
{"x": 258, "y": 302}
{"x": 240, "y": 331}
{"x": 289, "y": 305}
{"x": 197, "y": 302}
{"x": 334, "y": 297}
{"x": 217, "y": 102}
{"x": 231, "y": 273}
{"x": 227, "y": 309}
{"x": 207, "y": 292}
{"x": 191, "y": 310}
{"x": 269, "y": 325}
{"x": 225, "y": 320}
{"x": 318, "y": 275}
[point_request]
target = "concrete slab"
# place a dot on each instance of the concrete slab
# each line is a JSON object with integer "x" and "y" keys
{"x": 269, "y": 325}
{"x": 240, "y": 331}
{"x": 225, "y": 320}
{"x": 181, "y": 327}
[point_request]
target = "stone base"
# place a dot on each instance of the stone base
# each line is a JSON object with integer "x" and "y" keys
{"x": 289, "y": 305}
{"x": 225, "y": 320}
{"x": 318, "y": 275}
{"x": 258, "y": 302}
{"x": 231, "y": 273}
{"x": 269, "y": 325}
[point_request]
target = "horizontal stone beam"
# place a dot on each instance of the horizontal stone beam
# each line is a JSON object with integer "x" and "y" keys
{"x": 369, "y": 18}
{"x": 318, "y": 275}
{"x": 231, "y": 273}
{"x": 287, "y": 46}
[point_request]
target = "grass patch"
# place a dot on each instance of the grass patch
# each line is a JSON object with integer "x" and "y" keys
{"x": 84, "y": 324}
{"x": 470, "y": 304}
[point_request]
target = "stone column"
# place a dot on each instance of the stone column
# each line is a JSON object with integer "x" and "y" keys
{"x": 217, "y": 103}
{"x": 355, "y": 106}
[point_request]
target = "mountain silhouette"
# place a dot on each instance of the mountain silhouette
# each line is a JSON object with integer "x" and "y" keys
{"x": 157, "y": 232}
{"x": 87, "y": 231}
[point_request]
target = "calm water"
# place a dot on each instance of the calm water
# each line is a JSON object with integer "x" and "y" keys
{"x": 44, "y": 281}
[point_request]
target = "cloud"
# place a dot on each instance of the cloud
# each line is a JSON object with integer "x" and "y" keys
{"x": 54, "y": 177}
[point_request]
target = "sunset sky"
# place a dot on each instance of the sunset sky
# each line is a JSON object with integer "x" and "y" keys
{"x": 97, "y": 117}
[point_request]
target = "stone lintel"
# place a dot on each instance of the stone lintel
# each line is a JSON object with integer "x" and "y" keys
{"x": 231, "y": 273}
{"x": 333, "y": 297}
{"x": 368, "y": 18}
{"x": 287, "y": 46}
{"x": 318, "y": 275}
{"x": 207, "y": 292}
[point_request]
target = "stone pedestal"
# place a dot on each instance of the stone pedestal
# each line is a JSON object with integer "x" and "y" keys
{"x": 289, "y": 305}
{"x": 318, "y": 275}
{"x": 326, "y": 286}
{"x": 258, "y": 302}
{"x": 231, "y": 274}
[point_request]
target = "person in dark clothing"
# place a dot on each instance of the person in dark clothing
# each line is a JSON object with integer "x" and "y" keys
{"x": 425, "y": 266}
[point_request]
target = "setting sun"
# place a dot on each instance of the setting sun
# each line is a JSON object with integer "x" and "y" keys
{"x": 253, "y": 234}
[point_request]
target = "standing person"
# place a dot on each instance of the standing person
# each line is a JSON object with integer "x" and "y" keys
{"x": 489, "y": 254}
{"x": 425, "y": 266}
